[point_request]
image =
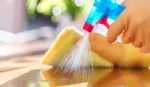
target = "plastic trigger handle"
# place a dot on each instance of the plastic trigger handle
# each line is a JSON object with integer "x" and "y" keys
{"x": 114, "y": 11}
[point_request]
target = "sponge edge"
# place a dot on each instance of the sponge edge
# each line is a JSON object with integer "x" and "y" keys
{"x": 63, "y": 43}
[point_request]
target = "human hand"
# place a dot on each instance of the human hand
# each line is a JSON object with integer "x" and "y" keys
{"x": 133, "y": 24}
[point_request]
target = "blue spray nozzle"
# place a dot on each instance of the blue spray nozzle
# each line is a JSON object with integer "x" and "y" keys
{"x": 102, "y": 9}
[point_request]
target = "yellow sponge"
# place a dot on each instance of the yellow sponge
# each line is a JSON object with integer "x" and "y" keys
{"x": 63, "y": 43}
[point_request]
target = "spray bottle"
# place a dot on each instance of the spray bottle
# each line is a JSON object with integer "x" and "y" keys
{"x": 101, "y": 11}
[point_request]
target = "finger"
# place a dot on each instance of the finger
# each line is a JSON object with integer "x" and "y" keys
{"x": 129, "y": 34}
{"x": 138, "y": 38}
{"x": 146, "y": 44}
{"x": 96, "y": 39}
{"x": 144, "y": 49}
{"x": 97, "y": 42}
{"x": 92, "y": 39}
{"x": 116, "y": 28}
{"x": 127, "y": 38}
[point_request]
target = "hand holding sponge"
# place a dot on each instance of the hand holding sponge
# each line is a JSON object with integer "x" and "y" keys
{"x": 103, "y": 53}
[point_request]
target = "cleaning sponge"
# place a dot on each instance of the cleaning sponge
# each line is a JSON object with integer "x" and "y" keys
{"x": 63, "y": 43}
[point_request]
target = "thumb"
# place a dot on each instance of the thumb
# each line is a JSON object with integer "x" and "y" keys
{"x": 116, "y": 28}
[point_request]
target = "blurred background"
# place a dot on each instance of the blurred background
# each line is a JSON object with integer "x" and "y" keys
{"x": 28, "y": 27}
